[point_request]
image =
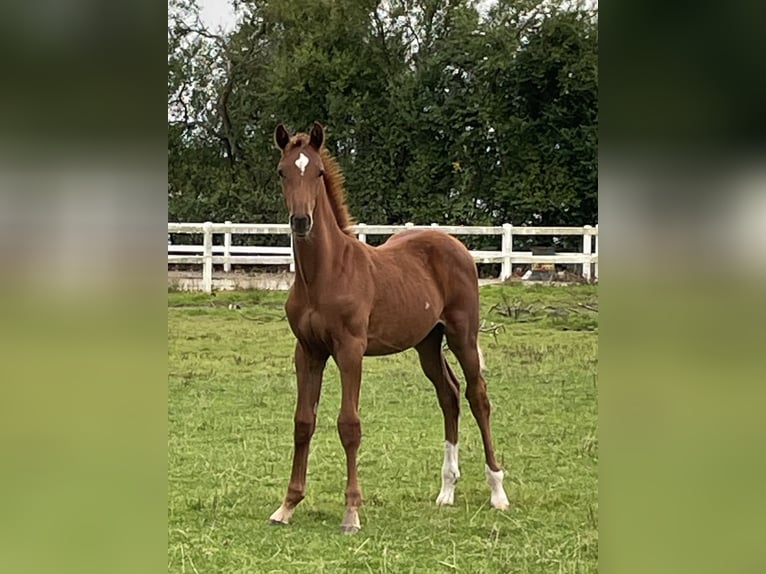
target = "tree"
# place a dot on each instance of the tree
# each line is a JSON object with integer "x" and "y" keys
{"x": 435, "y": 112}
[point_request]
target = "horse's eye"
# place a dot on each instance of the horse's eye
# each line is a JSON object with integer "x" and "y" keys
{"x": 321, "y": 172}
{"x": 280, "y": 172}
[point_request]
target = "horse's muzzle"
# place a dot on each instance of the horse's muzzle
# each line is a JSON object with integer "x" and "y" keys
{"x": 300, "y": 224}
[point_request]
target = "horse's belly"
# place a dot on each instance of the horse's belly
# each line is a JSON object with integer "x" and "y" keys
{"x": 400, "y": 330}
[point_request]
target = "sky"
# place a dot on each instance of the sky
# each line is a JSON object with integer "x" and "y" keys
{"x": 220, "y": 14}
{"x": 217, "y": 13}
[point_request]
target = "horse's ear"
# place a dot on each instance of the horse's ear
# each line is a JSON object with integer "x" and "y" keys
{"x": 317, "y": 136}
{"x": 281, "y": 136}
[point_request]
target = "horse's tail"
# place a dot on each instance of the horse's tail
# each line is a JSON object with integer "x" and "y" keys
{"x": 453, "y": 381}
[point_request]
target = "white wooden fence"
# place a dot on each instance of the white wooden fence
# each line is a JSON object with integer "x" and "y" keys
{"x": 227, "y": 254}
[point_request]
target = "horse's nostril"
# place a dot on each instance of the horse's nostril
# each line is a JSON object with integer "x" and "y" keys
{"x": 300, "y": 223}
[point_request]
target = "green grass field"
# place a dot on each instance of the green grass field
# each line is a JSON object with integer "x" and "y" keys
{"x": 231, "y": 394}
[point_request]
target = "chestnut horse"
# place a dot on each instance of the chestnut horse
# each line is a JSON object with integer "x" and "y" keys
{"x": 350, "y": 299}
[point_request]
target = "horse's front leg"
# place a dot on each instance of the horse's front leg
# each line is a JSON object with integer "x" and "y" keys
{"x": 349, "y": 360}
{"x": 308, "y": 368}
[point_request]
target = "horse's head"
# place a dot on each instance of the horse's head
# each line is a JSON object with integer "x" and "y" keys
{"x": 300, "y": 169}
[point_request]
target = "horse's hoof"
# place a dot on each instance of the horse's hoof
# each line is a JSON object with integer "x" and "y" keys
{"x": 349, "y": 529}
{"x": 497, "y": 498}
{"x": 282, "y": 515}
{"x": 500, "y": 501}
{"x": 445, "y": 499}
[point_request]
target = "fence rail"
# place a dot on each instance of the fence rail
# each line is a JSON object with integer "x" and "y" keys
{"x": 207, "y": 255}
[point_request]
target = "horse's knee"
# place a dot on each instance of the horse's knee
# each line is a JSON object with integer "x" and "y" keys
{"x": 303, "y": 431}
{"x": 350, "y": 431}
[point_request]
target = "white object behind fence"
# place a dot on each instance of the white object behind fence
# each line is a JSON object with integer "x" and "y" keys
{"x": 227, "y": 254}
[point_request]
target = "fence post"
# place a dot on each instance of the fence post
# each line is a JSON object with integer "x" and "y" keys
{"x": 227, "y": 248}
{"x": 595, "y": 267}
{"x": 361, "y": 235}
{"x": 409, "y": 225}
{"x": 507, "y": 248}
{"x": 207, "y": 257}
{"x": 292, "y": 254}
{"x": 586, "y": 251}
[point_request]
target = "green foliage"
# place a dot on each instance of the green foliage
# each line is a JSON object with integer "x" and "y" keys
{"x": 231, "y": 396}
{"x": 436, "y": 112}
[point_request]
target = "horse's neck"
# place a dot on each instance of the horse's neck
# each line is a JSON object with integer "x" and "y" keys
{"x": 315, "y": 256}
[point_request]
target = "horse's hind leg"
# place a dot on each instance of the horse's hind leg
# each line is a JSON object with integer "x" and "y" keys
{"x": 448, "y": 392}
{"x": 462, "y": 338}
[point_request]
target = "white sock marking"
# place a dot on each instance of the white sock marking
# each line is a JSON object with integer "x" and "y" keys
{"x": 450, "y": 475}
{"x": 282, "y": 514}
{"x": 302, "y": 162}
{"x": 497, "y": 493}
{"x": 482, "y": 364}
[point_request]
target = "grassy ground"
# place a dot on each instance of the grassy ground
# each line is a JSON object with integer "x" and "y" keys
{"x": 230, "y": 408}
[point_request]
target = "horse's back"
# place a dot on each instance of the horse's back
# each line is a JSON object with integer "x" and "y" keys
{"x": 430, "y": 238}
{"x": 432, "y": 247}
{"x": 432, "y": 256}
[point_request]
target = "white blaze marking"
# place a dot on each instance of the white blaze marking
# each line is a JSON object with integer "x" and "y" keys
{"x": 302, "y": 162}
{"x": 428, "y": 305}
{"x": 497, "y": 494}
{"x": 450, "y": 475}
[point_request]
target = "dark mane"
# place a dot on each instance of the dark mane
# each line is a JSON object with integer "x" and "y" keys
{"x": 334, "y": 183}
